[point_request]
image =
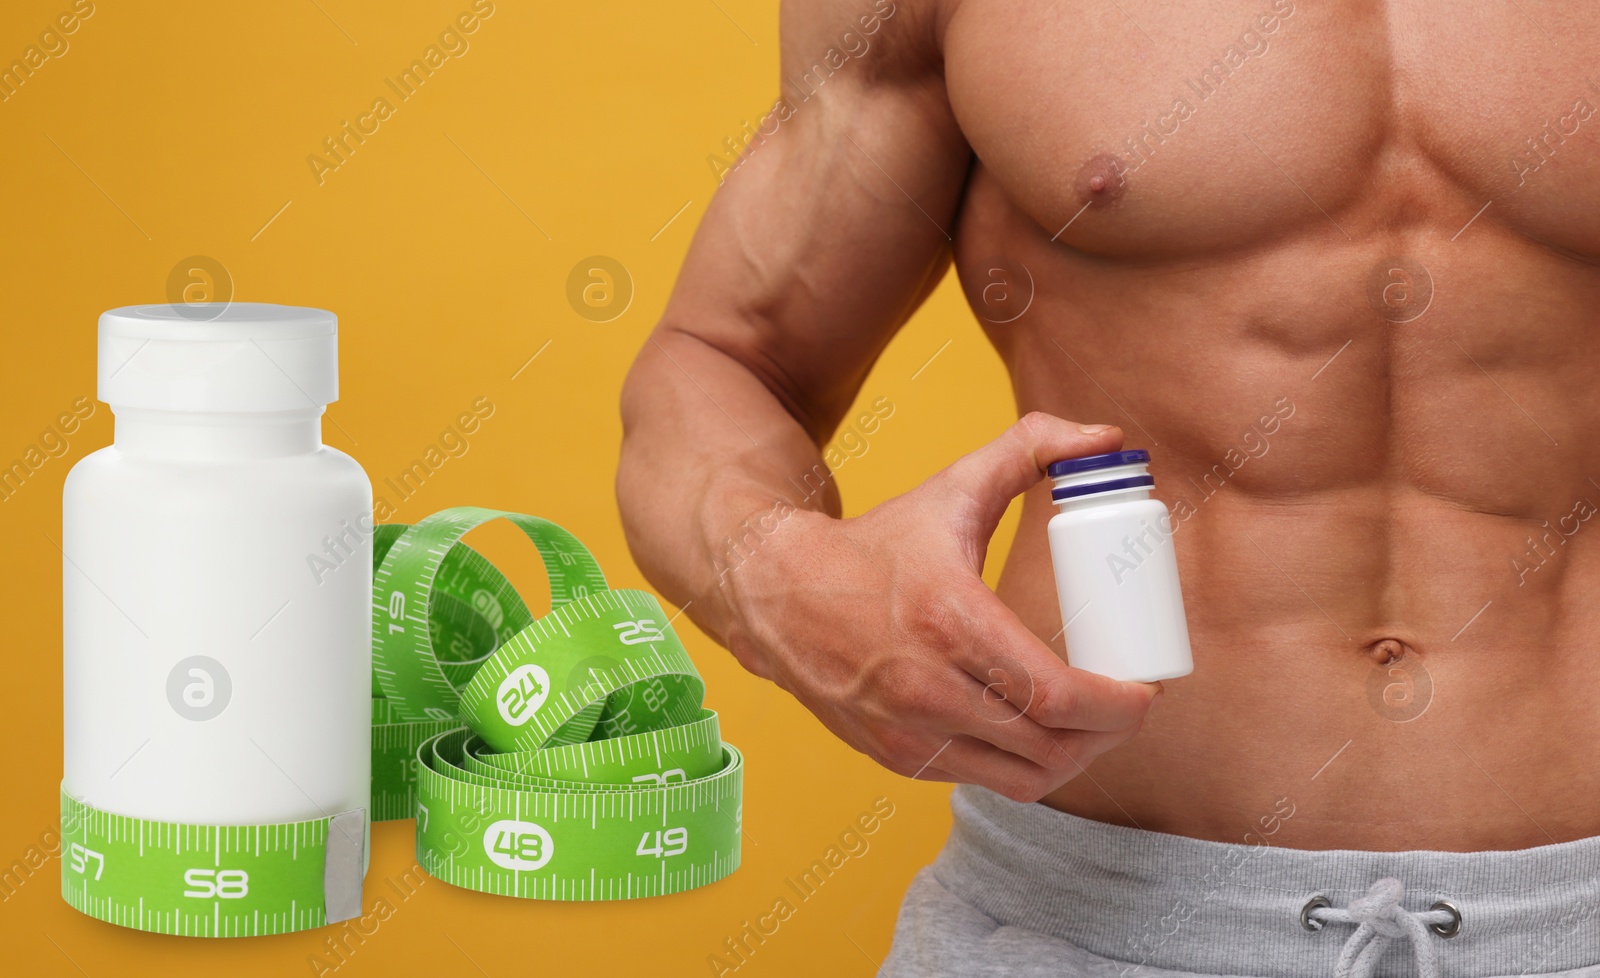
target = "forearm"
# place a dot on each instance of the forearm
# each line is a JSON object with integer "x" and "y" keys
{"x": 808, "y": 259}
{"x": 712, "y": 461}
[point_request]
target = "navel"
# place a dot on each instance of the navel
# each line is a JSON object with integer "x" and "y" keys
{"x": 1387, "y": 650}
{"x": 1399, "y": 688}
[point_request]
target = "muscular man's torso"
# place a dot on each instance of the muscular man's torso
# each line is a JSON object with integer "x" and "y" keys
{"x": 1338, "y": 272}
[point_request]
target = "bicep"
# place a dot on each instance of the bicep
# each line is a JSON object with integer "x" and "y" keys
{"x": 836, "y": 223}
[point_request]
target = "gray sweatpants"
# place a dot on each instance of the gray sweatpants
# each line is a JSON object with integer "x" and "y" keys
{"x": 1026, "y": 891}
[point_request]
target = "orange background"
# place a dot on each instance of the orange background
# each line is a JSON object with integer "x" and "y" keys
{"x": 444, "y": 243}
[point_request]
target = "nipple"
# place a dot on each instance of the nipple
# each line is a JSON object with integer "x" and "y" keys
{"x": 1101, "y": 180}
{"x": 1387, "y": 650}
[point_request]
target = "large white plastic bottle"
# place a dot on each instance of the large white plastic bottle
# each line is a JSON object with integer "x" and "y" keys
{"x": 1116, "y": 571}
{"x": 213, "y": 673}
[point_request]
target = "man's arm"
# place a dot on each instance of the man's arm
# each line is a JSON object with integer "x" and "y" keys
{"x": 808, "y": 260}
{"x": 814, "y": 252}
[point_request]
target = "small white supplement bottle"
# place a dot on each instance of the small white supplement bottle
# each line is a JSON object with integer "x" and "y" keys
{"x": 217, "y": 577}
{"x": 1116, "y": 571}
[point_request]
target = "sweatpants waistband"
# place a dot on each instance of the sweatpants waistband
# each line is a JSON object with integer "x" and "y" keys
{"x": 1170, "y": 902}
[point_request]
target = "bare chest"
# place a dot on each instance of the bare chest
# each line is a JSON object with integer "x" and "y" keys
{"x": 1142, "y": 128}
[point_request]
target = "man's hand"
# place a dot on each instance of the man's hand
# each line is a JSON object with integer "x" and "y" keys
{"x": 882, "y": 626}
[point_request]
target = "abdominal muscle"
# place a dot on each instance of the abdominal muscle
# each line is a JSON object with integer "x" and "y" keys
{"x": 1390, "y": 578}
{"x": 1374, "y": 735}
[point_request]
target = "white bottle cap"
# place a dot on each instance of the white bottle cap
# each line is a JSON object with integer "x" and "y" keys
{"x": 240, "y": 356}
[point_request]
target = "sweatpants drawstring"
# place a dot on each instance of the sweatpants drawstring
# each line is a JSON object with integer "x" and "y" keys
{"x": 1380, "y": 920}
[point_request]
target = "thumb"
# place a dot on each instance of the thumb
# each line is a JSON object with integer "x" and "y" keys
{"x": 979, "y": 486}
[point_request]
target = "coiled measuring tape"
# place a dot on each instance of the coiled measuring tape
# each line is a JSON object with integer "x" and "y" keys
{"x": 472, "y": 610}
{"x": 588, "y": 769}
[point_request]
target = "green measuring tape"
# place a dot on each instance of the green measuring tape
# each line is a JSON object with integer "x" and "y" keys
{"x": 471, "y": 611}
{"x": 211, "y": 880}
{"x": 588, "y": 768}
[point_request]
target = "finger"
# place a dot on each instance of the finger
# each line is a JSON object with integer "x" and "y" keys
{"x": 1066, "y": 751}
{"x": 1015, "y": 665}
{"x": 1006, "y": 726}
{"x": 969, "y": 761}
{"x": 982, "y": 483}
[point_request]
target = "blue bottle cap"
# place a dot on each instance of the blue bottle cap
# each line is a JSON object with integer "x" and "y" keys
{"x": 1068, "y": 466}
